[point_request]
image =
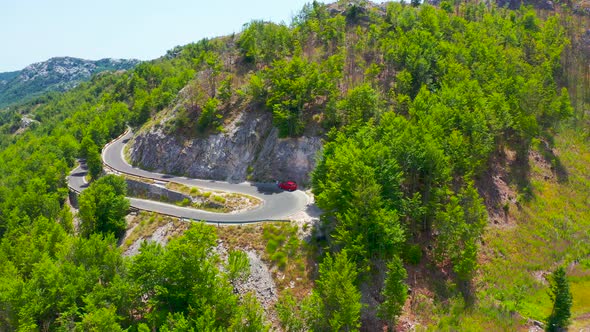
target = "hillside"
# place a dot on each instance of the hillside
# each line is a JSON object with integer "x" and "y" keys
{"x": 446, "y": 148}
{"x": 55, "y": 74}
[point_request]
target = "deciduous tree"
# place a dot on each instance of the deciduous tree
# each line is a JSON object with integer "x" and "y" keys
{"x": 103, "y": 207}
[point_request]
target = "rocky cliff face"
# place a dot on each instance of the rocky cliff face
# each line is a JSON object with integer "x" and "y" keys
{"x": 55, "y": 74}
{"x": 249, "y": 149}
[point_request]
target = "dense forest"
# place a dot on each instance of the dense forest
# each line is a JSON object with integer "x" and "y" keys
{"x": 414, "y": 101}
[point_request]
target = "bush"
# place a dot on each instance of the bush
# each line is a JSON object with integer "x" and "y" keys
{"x": 184, "y": 202}
{"x": 282, "y": 243}
{"x": 413, "y": 254}
{"x": 238, "y": 265}
{"x": 219, "y": 199}
{"x": 271, "y": 246}
{"x": 209, "y": 114}
{"x": 279, "y": 258}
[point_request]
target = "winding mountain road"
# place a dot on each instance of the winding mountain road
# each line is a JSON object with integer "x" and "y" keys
{"x": 276, "y": 203}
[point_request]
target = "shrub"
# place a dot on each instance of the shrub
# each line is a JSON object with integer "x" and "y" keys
{"x": 219, "y": 199}
{"x": 279, "y": 258}
{"x": 238, "y": 265}
{"x": 271, "y": 246}
{"x": 413, "y": 254}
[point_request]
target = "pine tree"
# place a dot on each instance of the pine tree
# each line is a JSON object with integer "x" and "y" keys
{"x": 395, "y": 292}
{"x": 335, "y": 303}
{"x": 562, "y": 301}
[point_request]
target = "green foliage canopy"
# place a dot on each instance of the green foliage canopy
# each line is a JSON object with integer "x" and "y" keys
{"x": 103, "y": 207}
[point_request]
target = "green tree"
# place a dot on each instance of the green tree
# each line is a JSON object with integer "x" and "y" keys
{"x": 361, "y": 103}
{"x": 446, "y": 6}
{"x": 335, "y": 303}
{"x": 562, "y": 301}
{"x": 87, "y": 145}
{"x": 395, "y": 292}
{"x": 249, "y": 316}
{"x": 209, "y": 114}
{"x": 98, "y": 131}
{"x": 177, "y": 322}
{"x": 263, "y": 42}
{"x": 94, "y": 163}
{"x": 181, "y": 285}
{"x": 69, "y": 147}
{"x": 460, "y": 226}
{"x": 66, "y": 219}
{"x": 289, "y": 312}
{"x": 103, "y": 207}
{"x": 103, "y": 319}
{"x": 292, "y": 85}
{"x": 213, "y": 68}
{"x": 91, "y": 152}
{"x": 225, "y": 89}
{"x": 358, "y": 183}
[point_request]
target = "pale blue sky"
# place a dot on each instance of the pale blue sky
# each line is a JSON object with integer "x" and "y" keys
{"x": 36, "y": 30}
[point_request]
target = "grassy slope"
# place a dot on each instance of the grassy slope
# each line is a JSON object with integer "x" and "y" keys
{"x": 552, "y": 228}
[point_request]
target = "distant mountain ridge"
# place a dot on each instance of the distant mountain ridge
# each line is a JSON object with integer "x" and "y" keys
{"x": 55, "y": 74}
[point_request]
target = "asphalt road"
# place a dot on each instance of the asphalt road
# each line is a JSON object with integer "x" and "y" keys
{"x": 277, "y": 204}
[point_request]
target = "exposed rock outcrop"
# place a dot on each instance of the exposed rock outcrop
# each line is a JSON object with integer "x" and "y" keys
{"x": 260, "y": 281}
{"x": 288, "y": 158}
{"x": 249, "y": 149}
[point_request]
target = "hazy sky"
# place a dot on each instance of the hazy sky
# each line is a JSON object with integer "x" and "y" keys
{"x": 36, "y": 30}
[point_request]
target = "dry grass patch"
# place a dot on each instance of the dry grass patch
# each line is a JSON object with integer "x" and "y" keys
{"x": 138, "y": 179}
{"x": 579, "y": 278}
{"x": 215, "y": 201}
{"x": 242, "y": 237}
{"x": 144, "y": 224}
{"x": 279, "y": 247}
{"x": 181, "y": 188}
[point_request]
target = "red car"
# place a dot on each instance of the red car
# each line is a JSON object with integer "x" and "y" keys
{"x": 288, "y": 185}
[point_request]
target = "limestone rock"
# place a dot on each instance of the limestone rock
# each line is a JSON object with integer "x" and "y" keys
{"x": 249, "y": 149}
